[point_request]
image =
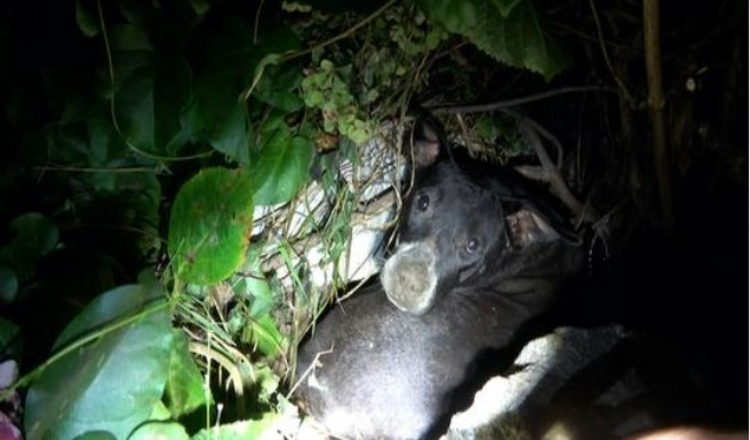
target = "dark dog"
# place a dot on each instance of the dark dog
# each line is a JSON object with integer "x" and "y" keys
{"x": 464, "y": 278}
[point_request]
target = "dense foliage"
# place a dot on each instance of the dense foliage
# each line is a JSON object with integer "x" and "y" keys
{"x": 143, "y": 140}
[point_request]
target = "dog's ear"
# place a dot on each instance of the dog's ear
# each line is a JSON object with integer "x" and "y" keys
{"x": 526, "y": 228}
{"x": 427, "y": 144}
{"x": 538, "y": 213}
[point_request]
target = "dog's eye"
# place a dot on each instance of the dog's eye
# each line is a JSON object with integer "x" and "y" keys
{"x": 423, "y": 202}
{"x": 472, "y": 245}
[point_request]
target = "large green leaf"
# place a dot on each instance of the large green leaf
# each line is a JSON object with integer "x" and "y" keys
{"x": 208, "y": 227}
{"x": 511, "y": 32}
{"x": 283, "y": 167}
{"x": 110, "y": 384}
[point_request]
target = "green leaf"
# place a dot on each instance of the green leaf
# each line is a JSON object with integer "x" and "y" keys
{"x": 215, "y": 113}
{"x": 110, "y": 384}
{"x": 105, "y": 146}
{"x": 149, "y": 101}
{"x": 208, "y": 226}
{"x": 511, "y": 33}
{"x": 8, "y": 283}
{"x": 276, "y": 87}
{"x": 506, "y": 6}
{"x": 185, "y": 390}
{"x": 86, "y": 18}
{"x": 260, "y": 290}
{"x": 129, "y": 38}
{"x": 9, "y": 338}
{"x": 201, "y": 7}
{"x": 248, "y": 429}
{"x": 263, "y": 333}
{"x": 158, "y": 430}
{"x": 255, "y": 286}
{"x": 35, "y": 236}
{"x": 283, "y": 167}
{"x": 231, "y": 134}
{"x": 267, "y": 382}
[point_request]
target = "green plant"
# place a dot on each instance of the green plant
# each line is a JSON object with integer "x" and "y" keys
{"x": 160, "y": 138}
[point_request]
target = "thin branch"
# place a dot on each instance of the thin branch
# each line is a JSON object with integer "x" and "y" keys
{"x": 603, "y": 45}
{"x": 656, "y": 102}
{"x": 497, "y": 105}
{"x": 552, "y": 175}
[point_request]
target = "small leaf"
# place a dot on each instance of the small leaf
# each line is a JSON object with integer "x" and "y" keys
{"x": 110, "y": 384}
{"x": 506, "y": 6}
{"x": 208, "y": 225}
{"x": 8, "y": 284}
{"x": 9, "y": 338}
{"x": 248, "y": 429}
{"x": 256, "y": 286}
{"x": 200, "y": 6}
{"x": 276, "y": 86}
{"x": 283, "y": 167}
{"x": 129, "y": 38}
{"x": 266, "y": 381}
{"x": 185, "y": 391}
{"x": 264, "y": 334}
{"x": 86, "y": 19}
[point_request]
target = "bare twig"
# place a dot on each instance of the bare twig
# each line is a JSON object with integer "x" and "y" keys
{"x": 546, "y": 134}
{"x": 497, "y": 105}
{"x": 552, "y": 174}
{"x": 620, "y": 83}
{"x": 313, "y": 364}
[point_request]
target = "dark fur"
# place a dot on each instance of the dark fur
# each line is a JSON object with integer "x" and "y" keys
{"x": 387, "y": 373}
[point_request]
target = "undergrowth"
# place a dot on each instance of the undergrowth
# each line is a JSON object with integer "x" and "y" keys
{"x": 213, "y": 160}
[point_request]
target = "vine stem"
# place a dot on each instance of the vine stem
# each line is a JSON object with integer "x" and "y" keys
{"x": 81, "y": 342}
{"x": 656, "y": 103}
